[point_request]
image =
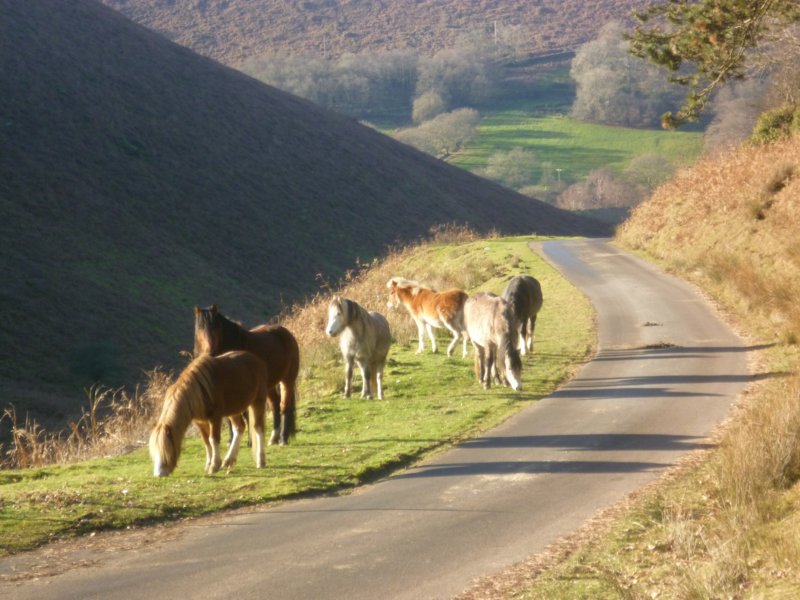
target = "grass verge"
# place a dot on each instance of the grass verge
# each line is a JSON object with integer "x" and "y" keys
{"x": 432, "y": 401}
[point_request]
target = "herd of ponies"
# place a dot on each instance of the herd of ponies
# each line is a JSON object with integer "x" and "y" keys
{"x": 252, "y": 370}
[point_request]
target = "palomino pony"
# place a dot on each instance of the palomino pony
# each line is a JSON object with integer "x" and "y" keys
{"x": 493, "y": 331}
{"x": 207, "y": 390}
{"x": 430, "y": 310}
{"x": 275, "y": 345}
{"x": 524, "y": 294}
{"x": 364, "y": 337}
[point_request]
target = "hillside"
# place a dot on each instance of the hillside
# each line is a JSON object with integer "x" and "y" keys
{"x": 138, "y": 179}
{"x": 233, "y": 30}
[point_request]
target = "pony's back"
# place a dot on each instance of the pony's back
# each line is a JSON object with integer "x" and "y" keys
{"x": 524, "y": 294}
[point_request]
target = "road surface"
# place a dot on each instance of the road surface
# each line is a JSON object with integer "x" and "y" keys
{"x": 665, "y": 374}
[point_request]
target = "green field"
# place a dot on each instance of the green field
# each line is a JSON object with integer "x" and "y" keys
{"x": 572, "y": 146}
{"x": 432, "y": 401}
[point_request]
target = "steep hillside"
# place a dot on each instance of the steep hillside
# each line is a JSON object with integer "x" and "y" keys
{"x": 138, "y": 179}
{"x": 233, "y": 30}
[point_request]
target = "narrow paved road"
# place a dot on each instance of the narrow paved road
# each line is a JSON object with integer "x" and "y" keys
{"x": 665, "y": 374}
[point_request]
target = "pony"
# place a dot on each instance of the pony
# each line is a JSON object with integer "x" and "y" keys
{"x": 524, "y": 294}
{"x": 364, "y": 337}
{"x": 215, "y": 334}
{"x": 492, "y": 328}
{"x": 430, "y": 310}
{"x": 208, "y": 389}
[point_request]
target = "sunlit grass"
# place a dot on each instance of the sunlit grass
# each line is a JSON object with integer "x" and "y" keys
{"x": 432, "y": 401}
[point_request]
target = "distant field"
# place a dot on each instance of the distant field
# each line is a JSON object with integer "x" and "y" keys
{"x": 572, "y": 146}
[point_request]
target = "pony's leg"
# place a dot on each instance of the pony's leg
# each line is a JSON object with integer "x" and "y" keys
{"x": 432, "y": 336}
{"x": 204, "y": 435}
{"x": 456, "y": 335}
{"x": 478, "y": 362}
{"x": 288, "y": 399}
{"x": 348, "y": 376}
{"x": 366, "y": 378}
{"x": 257, "y": 428}
{"x": 489, "y": 368}
{"x": 522, "y": 342}
{"x": 274, "y": 401}
{"x": 465, "y": 337}
{"x": 216, "y": 461}
{"x": 531, "y": 329}
{"x": 421, "y": 337}
{"x": 377, "y": 379}
{"x": 237, "y": 424}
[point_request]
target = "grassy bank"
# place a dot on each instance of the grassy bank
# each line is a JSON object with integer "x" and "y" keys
{"x": 432, "y": 401}
{"x": 725, "y": 525}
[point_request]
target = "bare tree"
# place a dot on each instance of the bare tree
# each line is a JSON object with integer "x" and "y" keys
{"x": 427, "y": 106}
{"x": 616, "y": 88}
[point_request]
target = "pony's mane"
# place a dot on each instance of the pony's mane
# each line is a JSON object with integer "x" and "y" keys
{"x": 232, "y": 331}
{"x": 353, "y": 310}
{"x": 404, "y": 283}
{"x": 190, "y": 394}
{"x": 414, "y": 286}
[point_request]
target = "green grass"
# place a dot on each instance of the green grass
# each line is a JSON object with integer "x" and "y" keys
{"x": 432, "y": 401}
{"x": 570, "y": 145}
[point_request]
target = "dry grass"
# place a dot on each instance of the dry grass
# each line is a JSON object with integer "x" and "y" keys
{"x": 115, "y": 421}
{"x": 732, "y": 225}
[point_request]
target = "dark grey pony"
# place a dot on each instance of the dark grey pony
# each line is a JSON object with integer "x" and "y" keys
{"x": 493, "y": 330}
{"x": 524, "y": 294}
{"x": 364, "y": 338}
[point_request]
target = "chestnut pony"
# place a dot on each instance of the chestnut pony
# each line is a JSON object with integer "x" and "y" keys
{"x": 430, "y": 310}
{"x": 207, "y": 390}
{"x": 215, "y": 334}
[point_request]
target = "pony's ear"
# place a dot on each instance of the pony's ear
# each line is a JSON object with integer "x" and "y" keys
{"x": 213, "y": 308}
{"x": 196, "y": 311}
{"x": 392, "y": 283}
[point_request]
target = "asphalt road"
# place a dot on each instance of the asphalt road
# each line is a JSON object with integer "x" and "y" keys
{"x": 665, "y": 374}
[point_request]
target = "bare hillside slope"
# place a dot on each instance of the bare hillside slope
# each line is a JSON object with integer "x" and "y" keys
{"x": 233, "y": 30}
{"x": 138, "y": 179}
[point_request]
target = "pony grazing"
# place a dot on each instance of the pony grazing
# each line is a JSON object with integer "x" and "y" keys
{"x": 364, "y": 337}
{"x": 524, "y": 294}
{"x": 430, "y": 310}
{"x": 215, "y": 334}
{"x": 207, "y": 390}
{"x": 493, "y": 331}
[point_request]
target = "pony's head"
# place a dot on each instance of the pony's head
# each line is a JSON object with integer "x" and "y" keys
{"x": 165, "y": 449}
{"x": 337, "y": 316}
{"x": 394, "y": 285}
{"x": 207, "y": 330}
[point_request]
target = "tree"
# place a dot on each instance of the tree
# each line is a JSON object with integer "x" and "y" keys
{"x": 513, "y": 169}
{"x": 706, "y": 43}
{"x": 442, "y": 135}
{"x": 613, "y": 87}
{"x": 427, "y": 106}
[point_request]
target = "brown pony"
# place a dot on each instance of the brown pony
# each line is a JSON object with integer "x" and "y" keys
{"x": 430, "y": 310}
{"x": 207, "y": 390}
{"x": 275, "y": 345}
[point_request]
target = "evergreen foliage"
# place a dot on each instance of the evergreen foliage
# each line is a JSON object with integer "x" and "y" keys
{"x": 706, "y": 43}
